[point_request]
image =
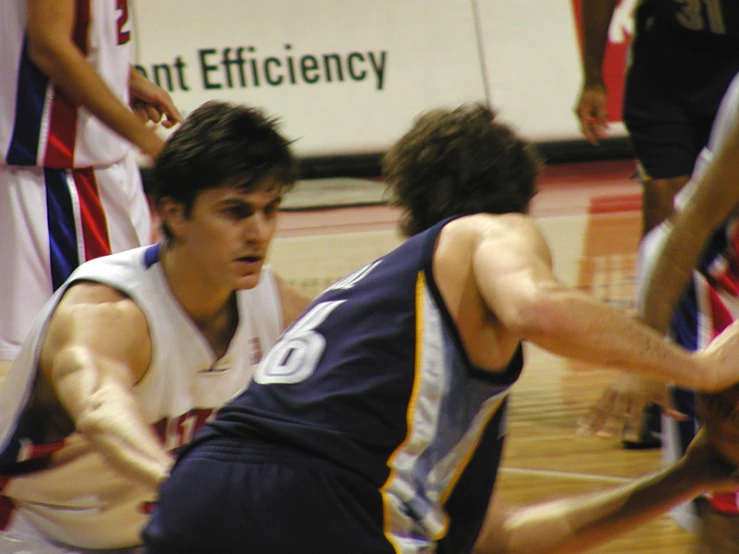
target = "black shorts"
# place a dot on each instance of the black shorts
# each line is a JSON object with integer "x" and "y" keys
{"x": 674, "y": 84}
{"x": 228, "y": 497}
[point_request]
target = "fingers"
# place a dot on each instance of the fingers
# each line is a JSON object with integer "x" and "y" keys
{"x": 617, "y": 411}
{"x": 153, "y": 113}
{"x": 599, "y": 418}
{"x": 167, "y": 107}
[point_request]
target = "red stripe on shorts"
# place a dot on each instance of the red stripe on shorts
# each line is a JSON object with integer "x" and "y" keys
{"x": 93, "y": 220}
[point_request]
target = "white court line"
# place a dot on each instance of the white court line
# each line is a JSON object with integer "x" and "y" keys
{"x": 566, "y": 475}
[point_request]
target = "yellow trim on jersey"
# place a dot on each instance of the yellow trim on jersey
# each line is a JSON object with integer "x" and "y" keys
{"x": 387, "y": 508}
{"x": 470, "y": 452}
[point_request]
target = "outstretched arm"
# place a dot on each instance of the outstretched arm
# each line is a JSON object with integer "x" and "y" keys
{"x": 96, "y": 348}
{"x": 577, "y": 524}
{"x": 50, "y": 27}
{"x": 513, "y": 272}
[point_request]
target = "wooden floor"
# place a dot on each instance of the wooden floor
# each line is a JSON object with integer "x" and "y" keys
{"x": 590, "y": 213}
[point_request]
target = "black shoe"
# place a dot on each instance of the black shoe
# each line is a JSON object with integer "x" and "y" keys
{"x": 650, "y": 433}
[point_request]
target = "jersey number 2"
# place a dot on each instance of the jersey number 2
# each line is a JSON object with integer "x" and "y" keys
{"x": 122, "y": 7}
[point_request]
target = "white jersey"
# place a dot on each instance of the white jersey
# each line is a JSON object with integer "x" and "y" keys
{"x": 41, "y": 126}
{"x": 78, "y": 499}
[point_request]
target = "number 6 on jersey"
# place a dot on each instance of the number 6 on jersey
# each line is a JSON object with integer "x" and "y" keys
{"x": 295, "y": 356}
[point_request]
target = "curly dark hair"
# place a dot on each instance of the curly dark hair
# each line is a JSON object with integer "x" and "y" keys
{"x": 220, "y": 142}
{"x": 459, "y": 161}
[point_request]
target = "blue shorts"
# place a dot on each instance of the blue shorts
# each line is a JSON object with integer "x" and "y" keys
{"x": 231, "y": 496}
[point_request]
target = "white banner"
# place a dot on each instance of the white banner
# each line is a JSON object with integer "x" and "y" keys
{"x": 347, "y": 77}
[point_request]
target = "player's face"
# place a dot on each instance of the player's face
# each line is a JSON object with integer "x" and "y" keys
{"x": 229, "y": 232}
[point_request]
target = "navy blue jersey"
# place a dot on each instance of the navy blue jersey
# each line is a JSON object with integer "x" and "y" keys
{"x": 374, "y": 378}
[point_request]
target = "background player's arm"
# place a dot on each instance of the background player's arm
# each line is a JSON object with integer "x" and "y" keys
{"x": 50, "y": 28}
{"x": 590, "y": 109}
{"x": 716, "y": 195}
{"x": 577, "y": 524}
{"x": 512, "y": 267}
{"x": 96, "y": 347}
{"x": 150, "y": 102}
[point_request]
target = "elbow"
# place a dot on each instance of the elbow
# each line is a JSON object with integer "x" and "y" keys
{"x": 537, "y": 315}
{"x": 42, "y": 55}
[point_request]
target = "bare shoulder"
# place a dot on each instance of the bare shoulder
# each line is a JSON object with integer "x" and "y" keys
{"x": 101, "y": 320}
{"x": 478, "y": 227}
{"x": 293, "y": 302}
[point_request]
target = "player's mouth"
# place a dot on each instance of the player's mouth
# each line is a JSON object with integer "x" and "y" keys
{"x": 250, "y": 262}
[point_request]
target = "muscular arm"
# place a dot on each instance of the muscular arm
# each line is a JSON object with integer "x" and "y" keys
{"x": 512, "y": 268}
{"x": 50, "y": 25}
{"x": 578, "y": 524}
{"x": 96, "y": 348}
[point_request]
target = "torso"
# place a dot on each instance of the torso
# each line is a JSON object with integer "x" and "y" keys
{"x": 378, "y": 381}
{"x": 186, "y": 382}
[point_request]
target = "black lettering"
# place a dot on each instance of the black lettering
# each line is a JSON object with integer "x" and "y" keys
{"x": 290, "y": 66}
{"x": 160, "y": 68}
{"x": 179, "y": 65}
{"x": 268, "y": 74}
{"x": 206, "y": 68}
{"x": 356, "y": 75}
{"x": 327, "y": 59}
{"x": 254, "y": 70}
{"x": 308, "y": 64}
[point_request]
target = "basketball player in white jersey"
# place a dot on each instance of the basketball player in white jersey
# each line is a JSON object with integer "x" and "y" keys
{"x": 70, "y": 189}
{"x": 138, "y": 349}
{"x": 689, "y": 288}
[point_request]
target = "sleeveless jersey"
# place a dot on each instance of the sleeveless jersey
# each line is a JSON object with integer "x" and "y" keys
{"x": 39, "y": 124}
{"x": 374, "y": 378}
{"x": 717, "y": 17}
{"x": 78, "y": 499}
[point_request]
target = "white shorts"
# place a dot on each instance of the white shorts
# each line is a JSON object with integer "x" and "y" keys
{"x": 52, "y": 220}
{"x": 23, "y": 538}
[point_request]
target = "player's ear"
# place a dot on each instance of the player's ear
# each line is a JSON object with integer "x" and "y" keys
{"x": 173, "y": 216}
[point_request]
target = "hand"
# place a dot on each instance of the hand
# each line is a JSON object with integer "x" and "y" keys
{"x": 721, "y": 358}
{"x": 591, "y": 112}
{"x": 620, "y": 407}
{"x": 150, "y": 102}
{"x": 710, "y": 467}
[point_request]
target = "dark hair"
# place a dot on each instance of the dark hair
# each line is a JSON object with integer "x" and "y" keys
{"x": 459, "y": 161}
{"x": 218, "y": 142}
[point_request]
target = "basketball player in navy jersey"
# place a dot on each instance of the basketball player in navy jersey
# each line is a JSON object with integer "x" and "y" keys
{"x": 376, "y": 423}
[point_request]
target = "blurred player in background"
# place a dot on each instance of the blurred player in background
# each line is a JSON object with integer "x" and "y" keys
{"x": 138, "y": 349}
{"x": 376, "y": 423}
{"x": 70, "y": 189}
{"x": 689, "y": 288}
{"x": 683, "y": 56}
